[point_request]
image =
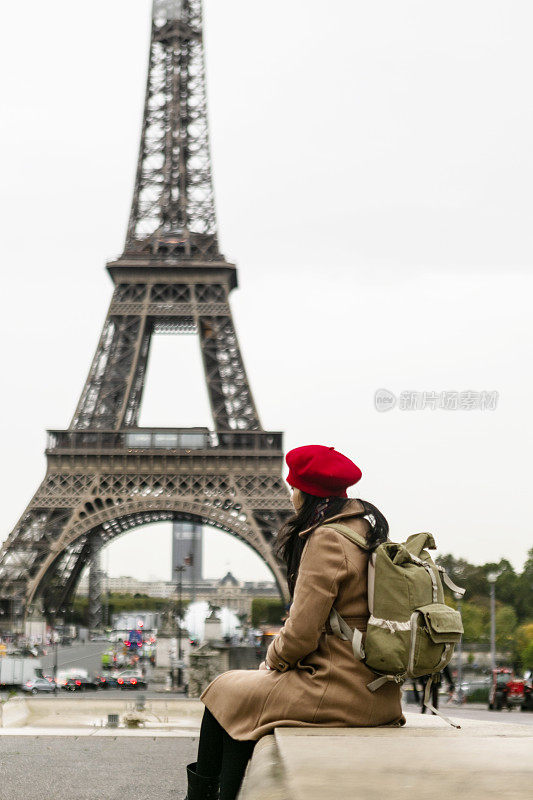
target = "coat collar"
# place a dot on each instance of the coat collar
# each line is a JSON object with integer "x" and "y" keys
{"x": 353, "y": 507}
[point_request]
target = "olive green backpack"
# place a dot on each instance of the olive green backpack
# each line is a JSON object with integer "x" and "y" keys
{"x": 411, "y": 632}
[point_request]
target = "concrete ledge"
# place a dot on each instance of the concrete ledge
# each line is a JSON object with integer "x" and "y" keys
{"x": 14, "y": 713}
{"x": 264, "y": 778}
{"x": 425, "y": 759}
{"x": 64, "y": 712}
{"x": 40, "y": 716}
{"x": 99, "y": 733}
{"x": 97, "y": 701}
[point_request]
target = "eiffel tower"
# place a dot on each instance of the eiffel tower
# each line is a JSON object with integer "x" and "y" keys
{"x": 105, "y": 474}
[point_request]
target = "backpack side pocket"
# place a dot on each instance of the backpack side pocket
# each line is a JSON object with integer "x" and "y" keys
{"x": 435, "y": 629}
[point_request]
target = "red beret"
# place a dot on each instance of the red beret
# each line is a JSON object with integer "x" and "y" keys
{"x": 321, "y": 471}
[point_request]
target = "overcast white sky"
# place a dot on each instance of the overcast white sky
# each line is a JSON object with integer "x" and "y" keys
{"x": 373, "y": 174}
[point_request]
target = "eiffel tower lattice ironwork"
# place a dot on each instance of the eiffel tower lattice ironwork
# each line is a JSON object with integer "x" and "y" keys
{"x": 105, "y": 474}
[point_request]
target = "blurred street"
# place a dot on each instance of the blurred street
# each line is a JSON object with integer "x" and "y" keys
{"x": 84, "y": 656}
{"x": 88, "y": 656}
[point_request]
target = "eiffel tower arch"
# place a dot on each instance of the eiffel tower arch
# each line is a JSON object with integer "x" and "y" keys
{"x": 105, "y": 474}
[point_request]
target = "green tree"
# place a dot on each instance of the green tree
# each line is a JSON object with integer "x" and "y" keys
{"x": 524, "y": 635}
{"x": 120, "y": 604}
{"x": 470, "y": 577}
{"x": 506, "y": 622}
{"x": 524, "y": 593}
{"x": 524, "y": 645}
{"x": 267, "y": 611}
{"x": 526, "y": 657}
{"x": 511, "y": 589}
{"x": 475, "y": 621}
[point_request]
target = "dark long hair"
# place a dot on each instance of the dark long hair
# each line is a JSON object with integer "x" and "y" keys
{"x": 314, "y": 510}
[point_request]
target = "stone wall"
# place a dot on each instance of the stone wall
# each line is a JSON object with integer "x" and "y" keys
{"x": 205, "y": 664}
{"x": 14, "y": 713}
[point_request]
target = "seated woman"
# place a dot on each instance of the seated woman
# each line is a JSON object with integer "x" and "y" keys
{"x": 310, "y": 677}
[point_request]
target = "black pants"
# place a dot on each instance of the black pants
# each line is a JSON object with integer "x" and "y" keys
{"x": 220, "y": 756}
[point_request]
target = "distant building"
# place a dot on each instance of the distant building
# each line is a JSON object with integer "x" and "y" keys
{"x": 227, "y": 591}
{"x": 125, "y": 584}
{"x": 229, "y": 580}
{"x": 187, "y": 551}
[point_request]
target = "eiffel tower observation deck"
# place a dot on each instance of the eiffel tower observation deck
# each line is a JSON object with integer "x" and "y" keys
{"x": 106, "y": 475}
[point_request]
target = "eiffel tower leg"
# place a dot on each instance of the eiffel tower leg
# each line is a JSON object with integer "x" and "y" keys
{"x": 29, "y": 545}
{"x": 232, "y": 403}
{"x": 95, "y": 582}
{"x": 112, "y": 394}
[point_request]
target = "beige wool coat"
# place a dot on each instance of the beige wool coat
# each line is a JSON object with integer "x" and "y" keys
{"x": 314, "y": 678}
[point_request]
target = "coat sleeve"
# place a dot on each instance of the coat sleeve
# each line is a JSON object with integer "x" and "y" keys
{"x": 322, "y": 568}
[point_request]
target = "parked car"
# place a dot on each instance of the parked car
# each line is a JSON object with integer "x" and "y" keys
{"x": 506, "y": 690}
{"x": 131, "y": 680}
{"x": 79, "y": 685}
{"x": 527, "y": 705}
{"x": 106, "y": 681}
{"x": 36, "y": 685}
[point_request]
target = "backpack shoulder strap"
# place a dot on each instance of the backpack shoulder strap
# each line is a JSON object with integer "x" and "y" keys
{"x": 346, "y": 531}
{"x": 340, "y": 628}
{"x": 338, "y": 625}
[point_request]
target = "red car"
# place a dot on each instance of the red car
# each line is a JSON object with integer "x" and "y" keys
{"x": 505, "y": 689}
{"x": 131, "y": 680}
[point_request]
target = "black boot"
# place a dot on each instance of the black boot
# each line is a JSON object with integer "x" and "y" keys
{"x": 200, "y": 788}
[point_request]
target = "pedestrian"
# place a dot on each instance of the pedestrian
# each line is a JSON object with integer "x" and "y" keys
{"x": 310, "y": 677}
